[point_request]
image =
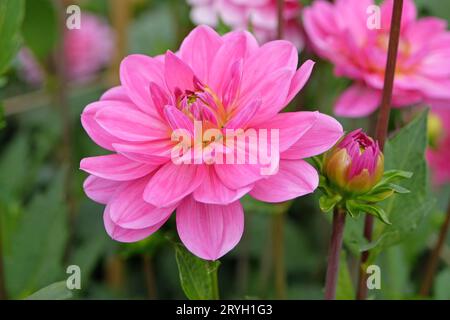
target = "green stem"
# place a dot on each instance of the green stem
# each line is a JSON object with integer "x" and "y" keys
{"x": 213, "y": 269}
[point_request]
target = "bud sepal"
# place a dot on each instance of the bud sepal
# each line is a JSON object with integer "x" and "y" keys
{"x": 352, "y": 177}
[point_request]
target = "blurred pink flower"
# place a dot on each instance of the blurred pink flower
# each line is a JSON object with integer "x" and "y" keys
{"x": 339, "y": 32}
{"x": 438, "y": 154}
{"x": 86, "y": 50}
{"x": 226, "y": 82}
{"x": 259, "y": 15}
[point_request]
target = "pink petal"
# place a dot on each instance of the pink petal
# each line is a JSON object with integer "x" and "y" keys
{"x": 115, "y": 167}
{"x": 207, "y": 230}
{"x": 213, "y": 191}
{"x": 178, "y": 74}
{"x": 244, "y": 116}
{"x": 295, "y": 178}
{"x": 325, "y": 132}
{"x": 129, "y": 210}
{"x": 131, "y": 125}
{"x": 127, "y": 235}
{"x": 152, "y": 152}
{"x": 299, "y": 80}
{"x": 99, "y": 135}
{"x": 117, "y": 94}
{"x": 236, "y": 176}
{"x": 233, "y": 49}
{"x": 178, "y": 120}
{"x": 357, "y": 101}
{"x": 291, "y": 126}
{"x": 100, "y": 190}
{"x": 199, "y": 49}
{"x": 136, "y": 73}
{"x": 272, "y": 90}
{"x": 171, "y": 183}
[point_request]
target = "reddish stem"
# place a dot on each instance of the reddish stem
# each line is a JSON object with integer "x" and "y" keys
{"x": 334, "y": 252}
{"x": 382, "y": 124}
{"x": 433, "y": 261}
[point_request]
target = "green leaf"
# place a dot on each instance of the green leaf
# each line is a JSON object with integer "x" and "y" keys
{"x": 55, "y": 291}
{"x": 33, "y": 258}
{"x": 196, "y": 275}
{"x": 327, "y": 203}
{"x": 372, "y": 209}
{"x": 11, "y": 17}
{"x": 406, "y": 152}
{"x": 40, "y": 27}
{"x": 393, "y": 175}
{"x": 377, "y": 195}
{"x": 344, "y": 288}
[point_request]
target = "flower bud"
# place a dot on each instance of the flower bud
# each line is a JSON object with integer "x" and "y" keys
{"x": 356, "y": 164}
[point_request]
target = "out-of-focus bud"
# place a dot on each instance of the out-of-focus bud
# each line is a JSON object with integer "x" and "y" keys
{"x": 356, "y": 164}
{"x": 435, "y": 130}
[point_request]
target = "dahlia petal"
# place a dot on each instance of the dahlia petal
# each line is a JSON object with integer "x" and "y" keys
{"x": 299, "y": 80}
{"x": 100, "y": 190}
{"x": 129, "y": 210}
{"x": 127, "y": 235}
{"x": 131, "y": 125}
{"x": 117, "y": 93}
{"x": 243, "y": 117}
{"x": 199, "y": 49}
{"x": 99, "y": 135}
{"x": 178, "y": 74}
{"x": 233, "y": 49}
{"x": 153, "y": 152}
{"x": 171, "y": 183}
{"x": 236, "y": 176}
{"x": 213, "y": 191}
{"x": 291, "y": 126}
{"x": 136, "y": 72}
{"x": 207, "y": 230}
{"x": 357, "y": 101}
{"x": 295, "y": 178}
{"x": 325, "y": 132}
{"x": 115, "y": 167}
{"x": 178, "y": 120}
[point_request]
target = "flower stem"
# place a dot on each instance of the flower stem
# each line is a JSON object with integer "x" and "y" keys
{"x": 278, "y": 254}
{"x": 213, "y": 269}
{"x": 280, "y": 25}
{"x": 382, "y": 123}
{"x": 433, "y": 261}
{"x": 337, "y": 236}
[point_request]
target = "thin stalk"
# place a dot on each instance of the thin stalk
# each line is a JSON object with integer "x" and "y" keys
{"x": 149, "y": 274}
{"x": 334, "y": 253}
{"x": 278, "y": 222}
{"x": 213, "y": 271}
{"x": 60, "y": 96}
{"x": 280, "y": 25}
{"x": 382, "y": 125}
{"x": 433, "y": 261}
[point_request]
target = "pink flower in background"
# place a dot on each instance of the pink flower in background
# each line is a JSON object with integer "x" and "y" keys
{"x": 438, "y": 153}
{"x": 86, "y": 50}
{"x": 227, "y": 82}
{"x": 339, "y": 32}
{"x": 259, "y": 15}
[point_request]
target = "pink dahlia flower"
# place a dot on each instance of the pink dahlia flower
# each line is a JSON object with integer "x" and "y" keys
{"x": 217, "y": 83}
{"x": 340, "y": 33}
{"x": 259, "y": 15}
{"x": 438, "y": 153}
{"x": 86, "y": 51}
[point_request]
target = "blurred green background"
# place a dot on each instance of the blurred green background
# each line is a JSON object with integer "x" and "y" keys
{"x": 47, "y": 223}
